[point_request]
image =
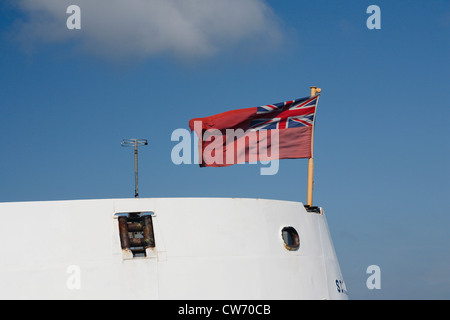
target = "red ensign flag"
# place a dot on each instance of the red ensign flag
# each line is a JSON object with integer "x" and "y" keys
{"x": 276, "y": 131}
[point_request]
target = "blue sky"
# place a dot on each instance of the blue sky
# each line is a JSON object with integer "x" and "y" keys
{"x": 69, "y": 97}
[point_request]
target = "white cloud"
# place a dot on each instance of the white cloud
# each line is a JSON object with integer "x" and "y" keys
{"x": 143, "y": 28}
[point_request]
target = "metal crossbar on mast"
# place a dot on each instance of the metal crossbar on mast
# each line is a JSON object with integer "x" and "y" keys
{"x": 135, "y": 143}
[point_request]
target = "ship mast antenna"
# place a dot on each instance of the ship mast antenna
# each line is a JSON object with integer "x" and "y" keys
{"x": 135, "y": 143}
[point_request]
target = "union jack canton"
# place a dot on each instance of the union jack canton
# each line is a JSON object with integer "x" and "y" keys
{"x": 284, "y": 115}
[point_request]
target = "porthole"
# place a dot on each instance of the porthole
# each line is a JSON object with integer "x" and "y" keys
{"x": 290, "y": 238}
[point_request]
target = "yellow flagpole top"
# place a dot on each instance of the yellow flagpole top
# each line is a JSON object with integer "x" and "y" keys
{"x": 315, "y": 90}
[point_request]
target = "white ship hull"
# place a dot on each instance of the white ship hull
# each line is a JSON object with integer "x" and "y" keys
{"x": 203, "y": 249}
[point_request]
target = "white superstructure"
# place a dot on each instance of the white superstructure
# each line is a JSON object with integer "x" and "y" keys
{"x": 203, "y": 249}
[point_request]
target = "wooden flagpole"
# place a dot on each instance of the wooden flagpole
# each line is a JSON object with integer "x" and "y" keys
{"x": 309, "y": 196}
